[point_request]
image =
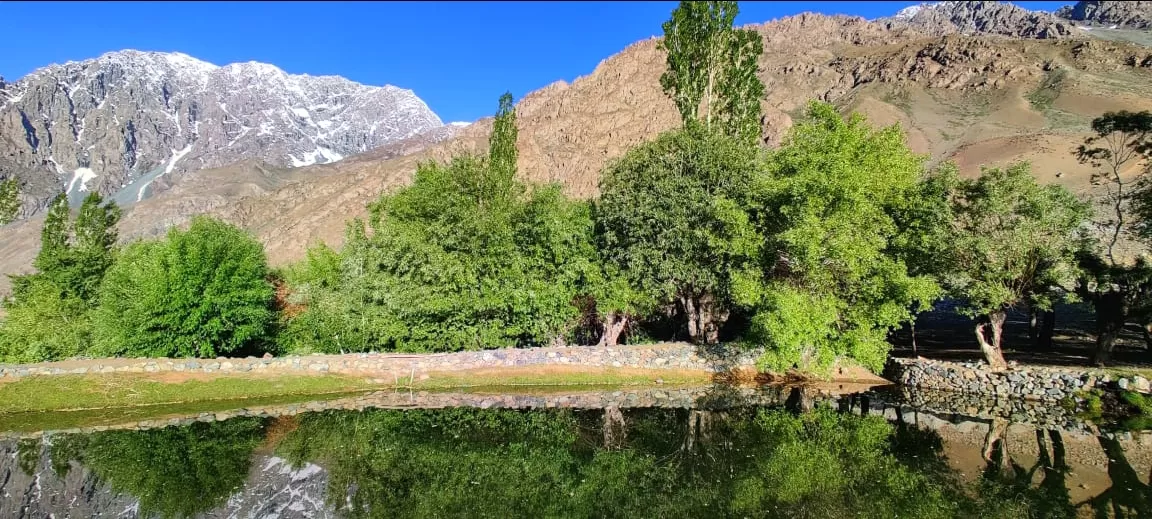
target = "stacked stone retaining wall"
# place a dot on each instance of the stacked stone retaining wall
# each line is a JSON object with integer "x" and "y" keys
{"x": 394, "y": 368}
{"x": 1027, "y": 382}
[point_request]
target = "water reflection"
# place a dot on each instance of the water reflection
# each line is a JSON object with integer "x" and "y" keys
{"x": 807, "y": 458}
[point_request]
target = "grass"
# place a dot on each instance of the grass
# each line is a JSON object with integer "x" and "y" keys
{"x": 87, "y": 392}
{"x": 70, "y": 401}
{"x": 899, "y": 98}
{"x": 1048, "y": 90}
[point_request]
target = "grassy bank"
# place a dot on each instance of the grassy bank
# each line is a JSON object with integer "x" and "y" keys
{"x": 65, "y": 401}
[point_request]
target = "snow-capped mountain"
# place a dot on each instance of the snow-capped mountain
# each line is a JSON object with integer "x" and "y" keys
{"x": 129, "y": 122}
{"x": 999, "y": 18}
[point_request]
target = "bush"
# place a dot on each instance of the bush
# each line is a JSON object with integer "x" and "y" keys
{"x": 198, "y": 293}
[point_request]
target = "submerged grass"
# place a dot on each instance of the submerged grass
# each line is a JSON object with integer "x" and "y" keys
{"x": 69, "y": 401}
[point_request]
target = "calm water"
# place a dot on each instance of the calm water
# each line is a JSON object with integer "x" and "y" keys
{"x": 720, "y": 453}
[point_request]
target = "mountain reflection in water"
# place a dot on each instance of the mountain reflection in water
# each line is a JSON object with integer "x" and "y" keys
{"x": 807, "y": 457}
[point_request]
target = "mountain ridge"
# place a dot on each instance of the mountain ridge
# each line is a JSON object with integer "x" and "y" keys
{"x": 138, "y": 120}
{"x": 972, "y": 99}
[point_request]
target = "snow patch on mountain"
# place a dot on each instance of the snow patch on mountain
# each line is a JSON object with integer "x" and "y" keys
{"x": 80, "y": 179}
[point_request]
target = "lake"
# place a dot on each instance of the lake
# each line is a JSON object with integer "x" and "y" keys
{"x": 640, "y": 452}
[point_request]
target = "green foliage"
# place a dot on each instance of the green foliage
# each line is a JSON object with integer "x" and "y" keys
{"x": 198, "y": 293}
{"x": 829, "y": 283}
{"x": 1013, "y": 240}
{"x": 45, "y": 324}
{"x": 49, "y": 311}
{"x": 175, "y": 472}
{"x": 712, "y": 67}
{"x": 1048, "y": 90}
{"x": 558, "y": 463}
{"x": 1119, "y": 139}
{"x": 467, "y": 257}
{"x": 502, "y": 152}
{"x": 671, "y": 215}
{"x": 9, "y": 200}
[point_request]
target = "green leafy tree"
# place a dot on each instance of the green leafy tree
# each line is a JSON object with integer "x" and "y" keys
{"x": 828, "y": 284}
{"x": 744, "y": 463}
{"x": 502, "y": 152}
{"x": 711, "y": 68}
{"x": 198, "y": 293}
{"x": 175, "y": 472}
{"x": 467, "y": 257}
{"x": 1119, "y": 140}
{"x": 671, "y": 219}
{"x": 1013, "y": 241}
{"x": 9, "y": 200}
{"x": 1118, "y": 289}
{"x": 48, "y": 312}
{"x": 46, "y": 323}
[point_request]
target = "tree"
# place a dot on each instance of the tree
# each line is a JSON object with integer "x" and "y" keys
{"x": 44, "y": 324}
{"x": 711, "y": 68}
{"x": 1013, "y": 241}
{"x": 1120, "y": 139}
{"x": 9, "y": 200}
{"x": 48, "y": 312}
{"x": 671, "y": 219}
{"x": 1117, "y": 288}
{"x": 467, "y": 257}
{"x": 828, "y": 284}
{"x": 502, "y": 152}
{"x": 175, "y": 472}
{"x": 197, "y": 293}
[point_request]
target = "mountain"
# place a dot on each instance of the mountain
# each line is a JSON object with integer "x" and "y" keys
{"x": 129, "y": 123}
{"x": 31, "y": 486}
{"x": 999, "y": 18}
{"x": 973, "y": 99}
{"x": 1130, "y": 14}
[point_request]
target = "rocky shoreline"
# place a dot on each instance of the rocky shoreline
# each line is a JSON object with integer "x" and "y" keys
{"x": 1042, "y": 383}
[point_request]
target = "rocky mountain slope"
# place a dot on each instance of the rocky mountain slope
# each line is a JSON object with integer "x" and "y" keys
{"x": 976, "y": 100}
{"x": 1131, "y": 14}
{"x": 30, "y": 488}
{"x": 1000, "y": 18}
{"x": 129, "y": 123}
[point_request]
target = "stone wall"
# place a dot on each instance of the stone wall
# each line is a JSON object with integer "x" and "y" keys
{"x": 397, "y": 368}
{"x": 1027, "y": 382}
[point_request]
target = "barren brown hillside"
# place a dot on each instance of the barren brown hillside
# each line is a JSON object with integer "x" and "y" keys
{"x": 976, "y": 100}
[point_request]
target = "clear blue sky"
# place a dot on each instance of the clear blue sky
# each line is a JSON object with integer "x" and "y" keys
{"x": 457, "y": 56}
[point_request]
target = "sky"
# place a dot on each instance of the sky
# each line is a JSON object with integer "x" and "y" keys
{"x": 456, "y": 56}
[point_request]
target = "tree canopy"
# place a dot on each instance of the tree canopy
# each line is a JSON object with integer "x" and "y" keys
{"x": 49, "y": 310}
{"x": 711, "y": 69}
{"x": 671, "y": 218}
{"x": 467, "y": 257}
{"x": 827, "y": 284}
{"x": 202, "y": 292}
{"x": 1012, "y": 242}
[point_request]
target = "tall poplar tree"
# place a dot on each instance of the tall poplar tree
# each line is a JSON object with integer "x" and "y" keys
{"x": 711, "y": 74}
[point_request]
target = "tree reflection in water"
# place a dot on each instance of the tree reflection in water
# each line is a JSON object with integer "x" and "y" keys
{"x": 720, "y": 459}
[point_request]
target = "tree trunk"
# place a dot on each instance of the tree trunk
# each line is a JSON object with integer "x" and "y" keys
{"x": 994, "y": 323}
{"x": 614, "y": 427}
{"x": 1047, "y": 330}
{"x": 693, "y": 318}
{"x": 996, "y": 438}
{"x": 704, "y": 318}
{"x": 1109, "y": 323}
{"x": 613, "y": 327}
{"x": 912, "y": 324}
{"x": 1034, "y": 325}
